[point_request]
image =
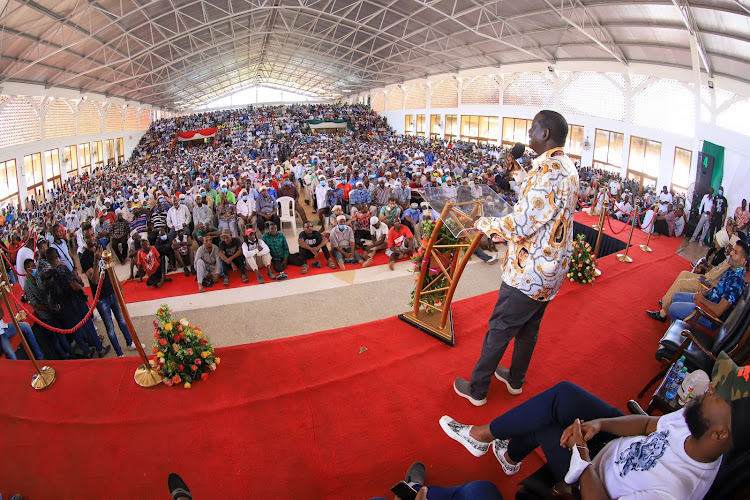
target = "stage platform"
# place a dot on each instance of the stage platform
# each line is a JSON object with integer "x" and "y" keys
{"x": 338, "y": 414}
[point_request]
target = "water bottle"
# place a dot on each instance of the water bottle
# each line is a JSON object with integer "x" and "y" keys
{"x": 674, "y": 385}
{"x": 676, "y": 368}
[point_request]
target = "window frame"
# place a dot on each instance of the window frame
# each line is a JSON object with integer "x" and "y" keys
{"x": 611, "y": 138}
{"x": 452, "y": 131}
{"x": 676, "y": 188}
{"x": 641, "y": 175}
{"x": 420, "y": 125}
{"x": 409, "y": 124}
{"x": 508, "y": 141}
{"x": 5, "y": 167}
{"x": 34, "y": 188}
{"x": 569, "y": 150}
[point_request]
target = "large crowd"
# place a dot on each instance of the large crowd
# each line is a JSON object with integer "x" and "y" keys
{"x": 215, "y": 209}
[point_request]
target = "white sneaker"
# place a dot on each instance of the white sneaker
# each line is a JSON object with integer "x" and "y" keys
{"x": 132, "y": 346}
{"x": 460, "y": 432}
{"x": 499, "y": 447}
{"x": 493, "y": 260}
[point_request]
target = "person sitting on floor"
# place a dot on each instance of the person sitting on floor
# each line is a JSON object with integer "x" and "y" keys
{"x": 182, "y": 248}
{"x": 611, "y": 455}
{"x": 230, "y": 253}
{"x": 311, "y": 242}
{"x": 207, "y": 264}
{"x": 152, "y": 265}
{"x": 391, "y": 212}
{"x": 257, "y": 254}
{"x": 720, "y": 299}
{"x": 266, "y": 210}
{"x": 342, "y": 244}
{"x": 378, "y": 235}
{"x": 276, "y": 242}
{"x": 400, "y": 242}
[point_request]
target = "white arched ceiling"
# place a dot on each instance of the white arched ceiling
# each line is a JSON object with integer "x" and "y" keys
{"x": 190, "y": 52}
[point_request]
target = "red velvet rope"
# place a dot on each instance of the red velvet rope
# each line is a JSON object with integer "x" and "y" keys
{"x": 23, "y": 244}
{"x": 601, "y": 193}
{"x": 75, "y": 328}
{"x": 12, "y": 266}
{"x": 624, "y": 227}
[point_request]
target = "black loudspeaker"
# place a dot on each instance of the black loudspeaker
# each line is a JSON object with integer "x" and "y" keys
{"x": 704, "y": 172}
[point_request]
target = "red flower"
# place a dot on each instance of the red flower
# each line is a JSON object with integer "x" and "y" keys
{"x": 198, "y": 361}
{"x": 155, "y": 350}
{"x": 163, "y": 341}
{"x": 156, "y": 335}
{"x": 194, "y": 368}
{"x": 180, "y": 368}
{"x": 204, "y": 341}
{"x": 176, "y": 338}
{"x": 176, "y": 379}
{"x": 204, "y": 376}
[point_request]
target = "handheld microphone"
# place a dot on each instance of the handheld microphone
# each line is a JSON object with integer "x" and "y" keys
{"x": 518, "y": 150}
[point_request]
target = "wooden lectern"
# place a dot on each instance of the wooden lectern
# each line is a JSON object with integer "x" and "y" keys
{"x": 445, "y": 258}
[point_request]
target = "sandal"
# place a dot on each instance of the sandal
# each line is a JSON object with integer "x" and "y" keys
{"x": 244, "y": 279}
{"x": 305, "y": 268}
{"x": 226, "y": 281}
{"x": 178, "y": 488}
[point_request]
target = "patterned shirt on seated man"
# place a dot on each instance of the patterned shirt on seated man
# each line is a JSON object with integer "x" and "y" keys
{"x": 720, "y": 299}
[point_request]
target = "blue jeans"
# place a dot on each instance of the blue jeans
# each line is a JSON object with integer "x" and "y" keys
{"x": 482, "y": 254}
{"x": 474, "y": 490}
{"x": 683, "y": 306}
{"x": 540, "y": 421}
{"x": 107, "y": 306}
{"x": 86, "y": 334}
{"x": 239, "y": 261}
{"x": 11, "y": 332}
{"x": 339, "y": 256}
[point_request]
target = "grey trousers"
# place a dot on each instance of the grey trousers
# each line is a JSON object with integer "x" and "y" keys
{"x": 516, "y": 316}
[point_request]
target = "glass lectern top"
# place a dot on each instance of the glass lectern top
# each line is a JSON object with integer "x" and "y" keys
{"x": 469, "y": 204}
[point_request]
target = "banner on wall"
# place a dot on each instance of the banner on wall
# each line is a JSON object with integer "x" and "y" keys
{"x": 319, "y": 125}
{"x": 195, "y": 135}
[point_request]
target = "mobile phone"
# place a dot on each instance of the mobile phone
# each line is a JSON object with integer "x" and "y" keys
{"x": 404, "y": 491}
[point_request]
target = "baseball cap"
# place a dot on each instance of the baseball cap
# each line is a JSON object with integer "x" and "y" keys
{"x": 374, "y": 220}
{"x": 248, "y": 231}
{"x": 732, "y": 383}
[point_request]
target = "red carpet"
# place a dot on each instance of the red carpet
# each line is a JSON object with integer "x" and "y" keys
{"x": 311, "y": 416}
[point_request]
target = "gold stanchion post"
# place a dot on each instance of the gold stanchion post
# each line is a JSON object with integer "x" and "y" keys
{"x": 645, "y": 247}
{"x": 145, "y": 375}
{"x": 604, "y": 193}
{"x": 597, "y": 271}
{"x": 44, "y": 376}
{"x": 623, "y": 257}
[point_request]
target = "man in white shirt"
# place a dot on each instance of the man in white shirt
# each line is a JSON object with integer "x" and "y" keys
{"x": 665, "y": 198}
{"x": 676, "y": 456}
{"x": 178, "y": 216}
{"x": 705, "y": 209}
{"x": 24, "y": 253}
{"x": 245, "y": 211}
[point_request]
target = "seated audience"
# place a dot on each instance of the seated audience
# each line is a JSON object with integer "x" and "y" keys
{"x": 311, "y": 243}
{"x": 152, "y": 265}
{"x": 715, "y": 255}
{"x": 276, "y": 242}
{"x": 474, "y": 490}
{"x": 8, "y": 331}
{"x": 207, "y": 264}
{"x": 182, "y": 248}
{"x": 230, "y": 253}
{"x": 257, "y": 254}
{"x": 720, "y": 299}
{"x": 342, "y": 244}
{"x": 400, "y": 243}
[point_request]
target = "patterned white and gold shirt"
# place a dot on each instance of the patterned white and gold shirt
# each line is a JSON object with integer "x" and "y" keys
{"x": 539, "y": 231}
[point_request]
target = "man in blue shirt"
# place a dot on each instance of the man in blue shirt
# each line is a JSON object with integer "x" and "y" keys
{"x": 720, "y": 299}
{"x": 360, "y": 198}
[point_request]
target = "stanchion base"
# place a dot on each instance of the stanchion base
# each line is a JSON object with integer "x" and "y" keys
{"x": 146, "y": 377}
{"x": 595, "y": 227}
{"x": 624, "y": 258}
{"x": 430, "y": 324}
{"x": 597, "y": 273}
{"x": 46, "y": 379}
{"x": 646, "y": 248}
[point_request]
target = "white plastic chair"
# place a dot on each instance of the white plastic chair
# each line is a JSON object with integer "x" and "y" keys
{"x": 287, "y": 213}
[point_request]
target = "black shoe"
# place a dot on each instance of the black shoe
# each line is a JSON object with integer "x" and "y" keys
{"x": 416, "y": 473}
{"x": 177, "y": 487}
{"x": 660, "y": 303}
{"x": 656, "y": 315}
{"x": 105, "y": 351}
{"x": 91, "y": 352}
{"x": 316, "y": 264}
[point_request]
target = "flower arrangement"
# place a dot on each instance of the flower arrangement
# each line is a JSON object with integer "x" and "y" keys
{"x": 183, "y": 353}
{"x": 581, "y": 262}
{"x": 434, "y": 278}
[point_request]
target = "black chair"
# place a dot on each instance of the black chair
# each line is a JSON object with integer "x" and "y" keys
{"x": 699, "y": 345}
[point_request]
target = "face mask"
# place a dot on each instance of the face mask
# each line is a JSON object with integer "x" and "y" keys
{"x": 223, "y": 190}
{"x": 200, "y": 203}
{"x": 721, "y": 192}
{"x": 342, "y": 226}
{"x": 163, "y": 237}
{"x": 322, "y": 183}
{"x": 33, "y": 273}
{"x": 245, "y": 197}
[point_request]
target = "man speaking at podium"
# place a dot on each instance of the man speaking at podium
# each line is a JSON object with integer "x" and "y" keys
{"x": 539, "y": 233}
